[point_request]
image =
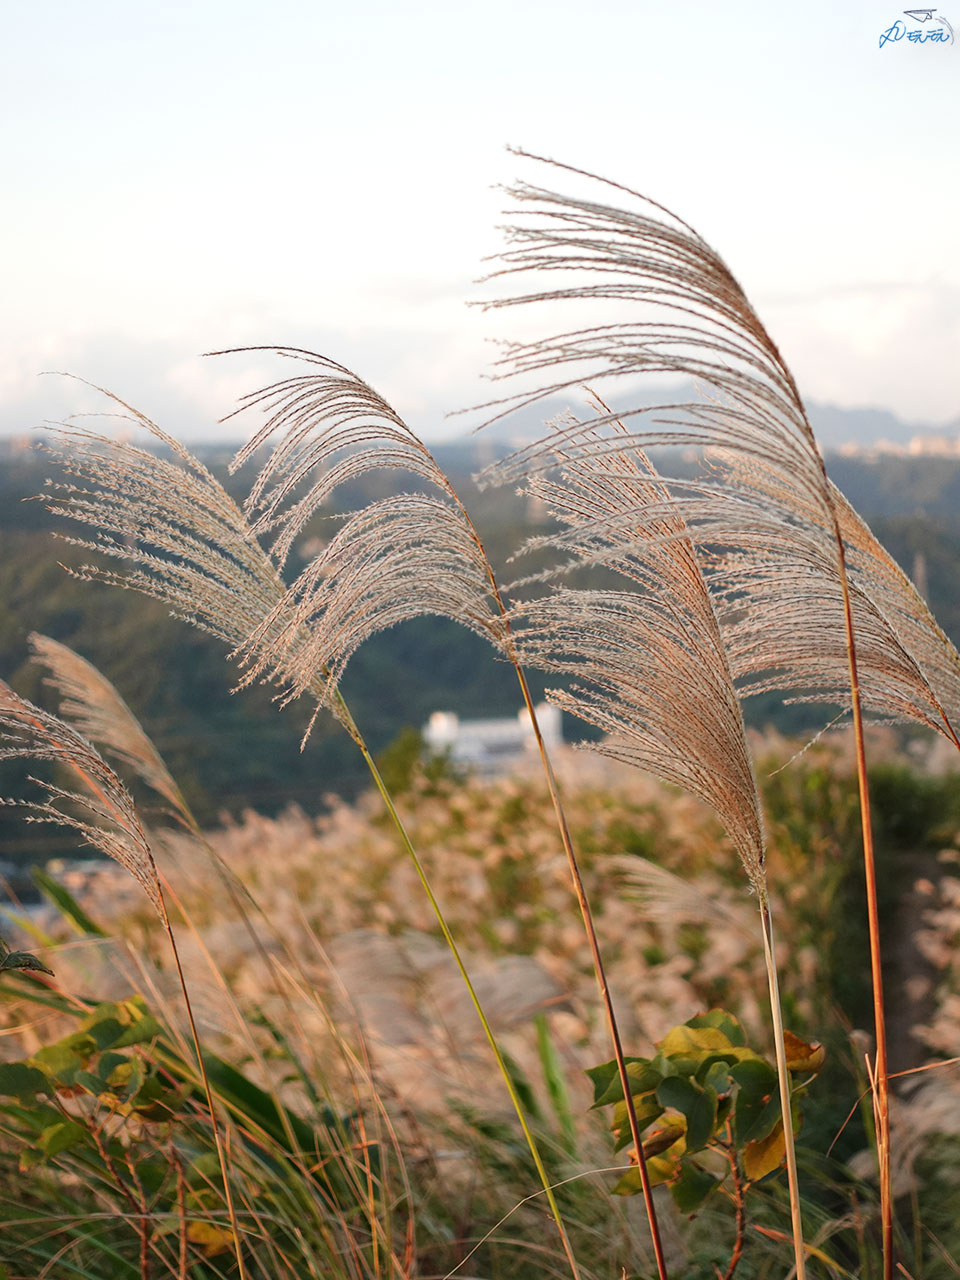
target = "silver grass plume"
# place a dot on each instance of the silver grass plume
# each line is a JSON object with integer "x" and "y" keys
{"x": 96, "y": 710}
{"x": 102, "y": 813}
{"x": 684, "y": 314}
{"x": 878, "y": 575}
{"x": 182, "y": 538}
{"x": 772, "y": 570}
{"x": 395, "y": 559}
{"x": 647, "y": 663}
{"x": 186, "y": 542}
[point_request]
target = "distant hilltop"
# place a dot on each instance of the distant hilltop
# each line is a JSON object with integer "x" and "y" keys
{"x": 927, "y": 446}
{"x": 852, "y": 432}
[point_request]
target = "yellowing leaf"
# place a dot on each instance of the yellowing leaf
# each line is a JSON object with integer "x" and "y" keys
{"x": 695, "y": 1040}
{"x": 662, "y": 1139}
{"x": 210, "y": 1238}
{"x": 802, "y": 1056}
{"x": 761, "y": 1158}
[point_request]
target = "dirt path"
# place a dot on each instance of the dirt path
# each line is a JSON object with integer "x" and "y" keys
{"x": 909, "y": 978}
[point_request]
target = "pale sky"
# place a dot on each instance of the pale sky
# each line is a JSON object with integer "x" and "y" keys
{"x": 185, "y": 176}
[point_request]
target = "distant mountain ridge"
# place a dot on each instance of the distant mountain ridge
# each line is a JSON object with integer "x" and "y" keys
{"x": 834, "y": 426}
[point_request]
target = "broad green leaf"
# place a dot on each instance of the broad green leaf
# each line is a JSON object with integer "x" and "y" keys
{"x": 757, "y": 1082}
{"x": 606, "y": 1080}
{"x": 94, "y": 1084}
{"x": 117, "y": 1026}
{"x": 109, "y": 1067}
{"x": 762, "y": 1157}
{"x": 766, "y": 1121}
{"x": 697, "y": 1105}
{"x": 715, "y": 1072}
{"x": 59, "y": 1137}
{"x": 723, "y": 1022}
{"x": 20, "y": 1080}
{"x": 67, "y": 1056}
{"x": 692, "y": 1186}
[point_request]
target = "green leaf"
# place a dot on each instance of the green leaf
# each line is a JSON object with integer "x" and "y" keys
{"x": 715, "y": 1072}
{"x": 117, "y": 1026}
{"x": 692, "y": 1186}
{"x": 606, "y": 1080}
{"x": 61, "y": 1136}
{"x": 66, "y": 904}
{"x": 757, "y": 1081}
{"x": 109, "y": 1067}
{"x": 697, "y": 1105}
{"x": 25, "y": 962}
{"x": 723, "y": 1022}
{"x": 20, "y": 1080}
{"x": 92, "y": 1083}
{"x": 66, "y": 1057}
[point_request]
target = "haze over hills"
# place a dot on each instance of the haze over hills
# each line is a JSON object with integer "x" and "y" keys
{"x": 836, "y": 428}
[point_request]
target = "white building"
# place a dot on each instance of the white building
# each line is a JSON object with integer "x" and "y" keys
{"x": 491, "y": 746}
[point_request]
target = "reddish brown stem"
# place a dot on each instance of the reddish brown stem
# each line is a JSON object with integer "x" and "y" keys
{"x": 881, "y": 1087}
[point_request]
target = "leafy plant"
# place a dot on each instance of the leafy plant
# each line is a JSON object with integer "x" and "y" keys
{"x": 707, "y": 1092}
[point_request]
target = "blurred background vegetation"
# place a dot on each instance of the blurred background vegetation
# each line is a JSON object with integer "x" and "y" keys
{"x": 235, "y": 752}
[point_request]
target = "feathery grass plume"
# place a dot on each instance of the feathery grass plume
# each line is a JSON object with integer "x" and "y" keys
{"x": 781, "y": 603}
{"x": 648, "y": 662}
{"x": 169, "y": 518}
{"x": 394, "y": 559}
{"x": 93, "y": 706}
{"x": 878, "y": 575}
{"x": 333, "y": 427}
{"x": 103, "y": 814}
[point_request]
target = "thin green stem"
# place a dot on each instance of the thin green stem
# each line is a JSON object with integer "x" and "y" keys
{"x": 461, "y": 967}
{"x": 783, "y": 1078}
